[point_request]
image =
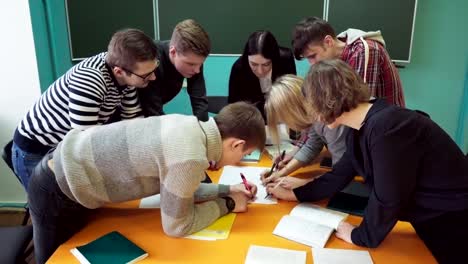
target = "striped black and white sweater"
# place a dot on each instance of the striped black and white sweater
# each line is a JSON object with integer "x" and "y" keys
{"x": 85, "y": 96}
{"x": 136, "y": 158}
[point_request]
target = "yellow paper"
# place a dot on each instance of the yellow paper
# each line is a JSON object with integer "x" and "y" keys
{"x": 220, "y": 229}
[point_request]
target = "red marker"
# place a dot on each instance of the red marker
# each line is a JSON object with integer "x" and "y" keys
{"x": 247, "y": 187}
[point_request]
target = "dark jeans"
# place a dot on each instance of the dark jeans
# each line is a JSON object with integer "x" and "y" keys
{"x": 54, "y": 216}
{"x": 445, "y": 236}
{"x": 24, "y": 163}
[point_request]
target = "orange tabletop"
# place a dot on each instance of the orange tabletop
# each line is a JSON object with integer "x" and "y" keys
{"x": 255, "y": 227}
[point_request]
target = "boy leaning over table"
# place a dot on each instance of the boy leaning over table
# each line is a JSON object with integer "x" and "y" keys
{"x": 137, "y": 158}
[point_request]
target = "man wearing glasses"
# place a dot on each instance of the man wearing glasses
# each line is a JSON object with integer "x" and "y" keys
{"x": 85, "y": 96}
{"x": 181, "y": 57}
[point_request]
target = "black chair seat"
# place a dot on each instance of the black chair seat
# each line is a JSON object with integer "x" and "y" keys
{"x": 14, "y": 241}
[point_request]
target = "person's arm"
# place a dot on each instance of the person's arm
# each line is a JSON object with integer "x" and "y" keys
{"x": 210, "y": 191}
{"x": 150, "y": 99}
{"x": 85, "y": 98}
{"x": 329, "y": 183}
{"x": 235, "y": 84}
{"x": 395, "y": 169}
{"x": 197, "y": 91}
{"x": 311, "y": 147}
{"x": 288, "y": 61}
{"x": 180, "y": 214}
{"x": 130, "y": 105}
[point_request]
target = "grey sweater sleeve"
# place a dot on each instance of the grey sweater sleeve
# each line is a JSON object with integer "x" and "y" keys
{"x": 209, "y": 191}
{"x": 180, "y": 214}
{"x": 311, "y": 148}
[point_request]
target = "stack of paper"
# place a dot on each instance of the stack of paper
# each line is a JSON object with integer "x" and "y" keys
{"x": 220, "y": 229}
{"x": 231, "y": 175}
{"x": 271, "y": 255}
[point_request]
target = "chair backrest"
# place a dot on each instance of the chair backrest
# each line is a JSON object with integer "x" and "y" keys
{"x": 6, "y": 154}
{"x": 216, "y": 103}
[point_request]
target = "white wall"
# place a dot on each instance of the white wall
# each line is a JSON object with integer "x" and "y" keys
{"x": 19, "y": 86}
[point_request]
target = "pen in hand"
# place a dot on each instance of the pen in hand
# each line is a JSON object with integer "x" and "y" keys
{"x": 275, "y": 165}
{"x": 247, "y": 186}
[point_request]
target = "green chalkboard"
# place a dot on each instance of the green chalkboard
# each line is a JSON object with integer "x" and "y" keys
{"x": 229, "y": 23}
{"x": 91, "y": 23}
{"x": 393, "y": 18}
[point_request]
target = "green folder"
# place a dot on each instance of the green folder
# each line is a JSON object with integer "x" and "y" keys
{"x": 109, "y": 248}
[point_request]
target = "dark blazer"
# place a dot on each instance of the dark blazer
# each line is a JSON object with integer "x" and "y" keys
{"x": 414, "y": 169}
{"x": 245, "y": 86}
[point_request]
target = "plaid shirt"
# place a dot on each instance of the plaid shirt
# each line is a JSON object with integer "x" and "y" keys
{"x": 382, "y": 76}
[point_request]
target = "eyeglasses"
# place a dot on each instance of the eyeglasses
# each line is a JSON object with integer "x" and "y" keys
{"x": 145, "y": 77}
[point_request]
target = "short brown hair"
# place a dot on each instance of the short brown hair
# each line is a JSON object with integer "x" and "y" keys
{"x": 189, "y": 36}
{"x": 129, "y": 46}
{"x": 309, "y": 31}
{"x": 332, "y": 87}
{"x": 244, "y": 121}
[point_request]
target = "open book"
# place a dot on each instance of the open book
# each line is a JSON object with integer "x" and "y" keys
{"x": 309, "y": 224}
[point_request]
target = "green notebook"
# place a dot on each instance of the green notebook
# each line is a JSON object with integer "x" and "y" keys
{"x": 109, "y": 248}
{"x": 253, "y": 157}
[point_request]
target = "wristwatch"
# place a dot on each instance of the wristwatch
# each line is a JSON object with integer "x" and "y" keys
{"x": 230, "y": 203}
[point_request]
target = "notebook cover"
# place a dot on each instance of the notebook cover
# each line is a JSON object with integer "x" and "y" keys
{"x": 110, "y": 248}
{"x": 348, "y": 203}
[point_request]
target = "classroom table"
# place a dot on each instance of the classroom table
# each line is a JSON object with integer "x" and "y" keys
{"x": 255, "y": 227}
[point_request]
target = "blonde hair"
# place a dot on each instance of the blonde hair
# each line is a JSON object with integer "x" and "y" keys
{"x": 332, "y": 87}
{"x": 287, "y": 104}
{"x": 189, "y": 36}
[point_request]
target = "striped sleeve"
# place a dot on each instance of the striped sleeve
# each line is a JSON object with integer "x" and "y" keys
{"x": 87, "y": 89}
{"x": 131, "y": 107}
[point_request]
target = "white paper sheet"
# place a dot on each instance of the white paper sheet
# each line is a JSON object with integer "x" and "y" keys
{"x": 338, "y": 256}
{"x": 271, "y": 255}
{"x": 231, "y": 175}
{"x": 153, "y": 201}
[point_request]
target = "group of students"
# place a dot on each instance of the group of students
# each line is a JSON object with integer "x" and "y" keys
{"x": 72, "y": 159}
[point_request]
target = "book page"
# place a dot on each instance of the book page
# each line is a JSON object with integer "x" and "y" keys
{"x": 271, "y": 255}
{"x": 338, "y": 256}
{"x": 303, "y": 231}
{"x": 231, "y": 175}
{"x": 318, "y": 214}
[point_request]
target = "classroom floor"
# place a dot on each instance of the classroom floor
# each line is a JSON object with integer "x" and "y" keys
{"x": 13, "y": 217}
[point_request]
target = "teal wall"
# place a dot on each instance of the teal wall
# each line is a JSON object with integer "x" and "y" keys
{"x": 436, "y": 80}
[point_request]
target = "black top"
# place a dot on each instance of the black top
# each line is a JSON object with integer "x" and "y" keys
{"x": 414, "y": 169}
{"x": 168, "y": 84}
{"x": 245, "y": 86}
